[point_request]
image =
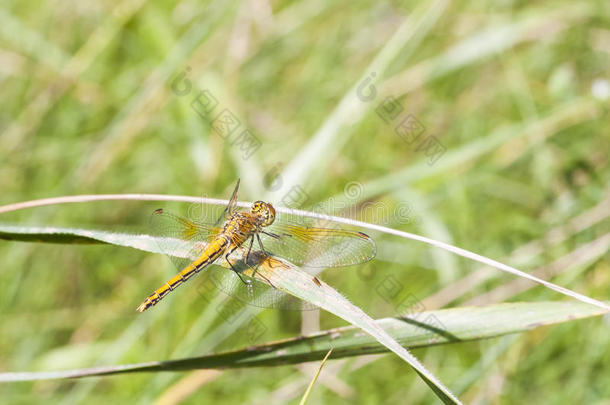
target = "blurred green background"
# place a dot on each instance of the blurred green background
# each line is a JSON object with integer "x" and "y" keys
{"x": 514, "y": 97}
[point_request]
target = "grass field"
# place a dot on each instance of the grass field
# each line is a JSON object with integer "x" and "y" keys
{"x": 480, "y": 124}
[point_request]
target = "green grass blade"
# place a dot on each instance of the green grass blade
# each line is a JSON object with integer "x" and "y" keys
{"x": 50, "y": 234}
{"x": 459, "y": 324}
{"x": 298, "y": 283}
{"x": 315, "y": 378}
{"x": 570, "y": 113}
{"x": 332, "y": 134}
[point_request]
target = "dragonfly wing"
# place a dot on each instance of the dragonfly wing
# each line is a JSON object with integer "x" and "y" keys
{"x": 180, "y": 238}
{"x": 256, "y": 293}
{"x": 230, "y": 208}
{"x": 319, "y": 247}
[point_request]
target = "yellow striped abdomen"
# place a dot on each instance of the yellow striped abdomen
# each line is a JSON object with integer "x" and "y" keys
{"x": 212, "y": 251}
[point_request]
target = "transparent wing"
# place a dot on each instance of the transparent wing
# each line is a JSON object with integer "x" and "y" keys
{"x": 180, "y": 238}
{"x": 230, "y": 208}
{"x": 318, "y": 247}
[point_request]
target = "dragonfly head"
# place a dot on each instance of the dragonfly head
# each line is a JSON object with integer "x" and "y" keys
{"x": 264, "y": 211}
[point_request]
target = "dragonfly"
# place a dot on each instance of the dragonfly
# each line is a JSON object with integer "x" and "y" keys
{"x": 257, "y": 235}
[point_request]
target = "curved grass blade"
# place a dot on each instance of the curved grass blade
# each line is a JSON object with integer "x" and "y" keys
{"x": 461, "y": 324}
{"x": 49, "y": 234}
{"x": 454, "y": 249}
{"x": 155, "y": 197}
{"x": 301, "y": 284}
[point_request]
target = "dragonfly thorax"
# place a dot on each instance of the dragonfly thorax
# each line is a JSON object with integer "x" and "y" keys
{"x": 264, "y": 212}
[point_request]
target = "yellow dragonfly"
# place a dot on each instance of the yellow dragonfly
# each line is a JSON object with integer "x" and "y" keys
{"x": 275, "y": 235}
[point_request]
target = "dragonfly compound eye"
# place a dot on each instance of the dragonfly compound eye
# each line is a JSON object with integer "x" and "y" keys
{"x": 270, "y": 211}
{"x": 264, "y": 211}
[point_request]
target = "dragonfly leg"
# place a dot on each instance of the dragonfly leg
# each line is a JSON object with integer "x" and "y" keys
{"x": 273, "y": 235}
{"x": 260, "y": 243}
{"x": 249, "y": 249}
{"x": 266, "y": 279}
{"x": 233, "y": 268}
{"x": 254, "y": 268}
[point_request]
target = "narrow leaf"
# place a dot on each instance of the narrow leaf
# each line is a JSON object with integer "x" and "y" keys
{"x": 315, "y": 378}
{"x": 459, "y": 325}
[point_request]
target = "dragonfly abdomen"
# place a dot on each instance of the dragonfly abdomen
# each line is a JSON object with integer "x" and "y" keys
{"x": 212, "y": 251}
